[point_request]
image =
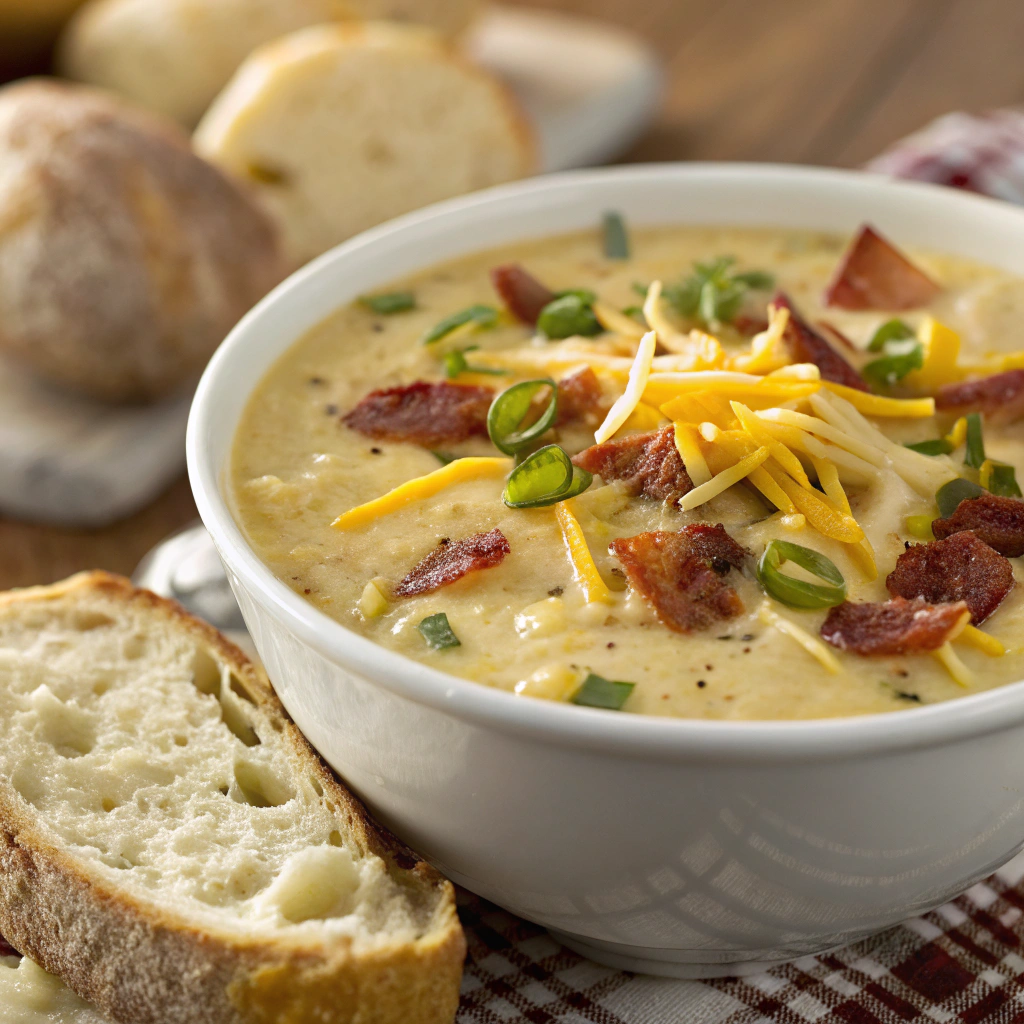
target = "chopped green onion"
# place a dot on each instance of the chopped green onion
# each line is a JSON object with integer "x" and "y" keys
{"x": 1003, "y": 481}
{"x": 616, "y": 241}
{"x": 636, "y": 312}
{"x": 755, "y": 280}
{"x": 975, "y": 454}
{"x": 938, "y": 446}
{"x": 444, "y": 457}
{"x": 509, "y": 410}
{"x": 569, "y": 315}
{"x": 455, "y": 363}
{"x": 544, "y": 478}
{"x": 798, "y": 593}
{"x": 712, "y": 294}
{"x": 891, "y": 330}
{"x": 597, "y": 692}
{"x": 949, "y": 496}
{"x": 438, "y": 633}
{"x": 389, "y": 303}
{"x": 920, "y": 527}
{"x": 482, "y": 316}
{"x": 901, "y": 357}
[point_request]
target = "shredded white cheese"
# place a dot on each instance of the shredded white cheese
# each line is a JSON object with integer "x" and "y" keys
{"x": 811, "y": 644}
{"x": 630, "y": 398}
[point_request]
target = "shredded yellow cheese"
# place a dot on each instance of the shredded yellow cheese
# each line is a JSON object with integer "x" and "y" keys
{"x": 630, "y": 398}
{"x": 954, "y": 666}
{"x": 983, "y": 641}
{"x": 782, "y": 455}
{"x": 814, "y": 425}
{"x": 941, "y": 347}
{"x": 811, "y": 644}
{"x": 820, "y": 512}
{"x": 958, "y": 434}
{"x": 767, "y": 350}
{"x": 644, "y": 417}
{"x": 421, "y": 488}
{"x": 689, "y": 451}
{"x": 879, "y": 405}
{"x": 665, "y": 389}
{"x": 828, "y": 476}
{"x": 723, "y": 481}
{"x": 618, "y": 323}
{"x": 584, "y": 569}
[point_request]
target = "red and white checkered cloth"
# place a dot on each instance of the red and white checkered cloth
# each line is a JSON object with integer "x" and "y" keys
{"x": 963, "y": 963}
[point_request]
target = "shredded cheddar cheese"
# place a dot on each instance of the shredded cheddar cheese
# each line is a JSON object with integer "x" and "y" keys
{"x": 782, "y": 455}
{"x": 880, "y": 405}
{"x": 941, "y": 351}
{"x": 982, "y": 641}
{"x": 630, "y": 398}
{"x": 421, "y": 488}
{"x": 689, "y": 451}
{"x": 584, "y": 569}
{"x": 954, "y": 666}
{"x": 618, "y": 323}
{"x": 811, "y": 644}
{"x": 767, "y": 350}
{"x": 723, "y": 481}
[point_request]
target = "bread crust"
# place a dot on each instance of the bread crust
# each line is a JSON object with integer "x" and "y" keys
{"x": 142, "y": 964}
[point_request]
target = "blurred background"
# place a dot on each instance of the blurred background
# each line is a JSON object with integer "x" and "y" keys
{"x": 833, "y": 83}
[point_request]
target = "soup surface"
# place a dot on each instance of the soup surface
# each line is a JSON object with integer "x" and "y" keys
{"x": 696, "y": 632}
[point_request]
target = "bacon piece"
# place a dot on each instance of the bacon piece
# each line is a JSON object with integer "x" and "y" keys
{"x": 579, "y": 396}
{"x": 895, "y": 627}
{"x": 423, "y": 412}
{"x": 748, "y": 326}
{"x": 996, "y": 520}
{"x": 959, "y": 568}
{"x": 649, "y": 464}
{"x": 1000, "y": 397}
{"x": 680, "y": 574}
{"x": 451, "y": 560}
{"x": 874, "y": 274}
{"x": 6, "y": 949}
{"x": 806, "y": 345}
{"x": 831, "y": 331}
{"x": 521, "y": 292}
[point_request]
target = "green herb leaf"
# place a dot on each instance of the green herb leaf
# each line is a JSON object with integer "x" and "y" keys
{"x": 939, "y": 446}
{"x": 891, "y": 330}
{"x": 597, "y": 692}
{"x": 438, "y": 632}
{"x": 1003, "y": 481}
{"x": 949, "y": 496}
{"x": 544, "y": 478}
{"x": 389, "y": 303}
{"x": 901, "y": 357}
{"x": 975, "y": 454}
{"x": 616, "y": 241}
{"x": 798, "y": 593}
{"x": 455, "y": 363}
{"x": 510, "y": 409}
{"x": 712, "y": 294}
{"x": 755, "y": 280}
{"x": 636, "y": 312}
{"x": 482, "y": 316}
{"x": 569, "y": 315}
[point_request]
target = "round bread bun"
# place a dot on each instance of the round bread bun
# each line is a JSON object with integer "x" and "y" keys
{"x": 341, "y": 127}
{"x": 124, "y": 257}
{"x": 174, "y": 56}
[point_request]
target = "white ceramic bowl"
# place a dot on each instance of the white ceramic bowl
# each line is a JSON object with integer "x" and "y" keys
{"x": 678, "y": 847}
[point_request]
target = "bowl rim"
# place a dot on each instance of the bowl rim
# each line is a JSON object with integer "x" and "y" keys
{"x": 642, "y": 736}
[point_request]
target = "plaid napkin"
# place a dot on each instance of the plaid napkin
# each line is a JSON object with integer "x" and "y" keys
{"x": 962, "y": 963}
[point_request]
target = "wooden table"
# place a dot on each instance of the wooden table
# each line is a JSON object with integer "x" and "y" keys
{"x": 808, "y": 81}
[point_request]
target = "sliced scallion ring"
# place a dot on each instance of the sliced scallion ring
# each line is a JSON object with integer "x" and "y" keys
{"x": 975, "y": 454}
{"x": 949, "y": 496}
{"x": 598, "y": 692}
{"x": 938, "y": 446}
{"x": 482, "y": 316}
{"x": 389, "y": 303}
{"x": 891, "y": 330}
{"x": 798, "y": 593}
{"x": 1002, "y": 480}
{"x": 509, "y": 410}
{"x": 544, "y": 478}
{"x": 616, "y": 240}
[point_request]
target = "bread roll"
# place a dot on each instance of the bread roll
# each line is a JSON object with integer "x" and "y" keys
{"x": 174, "y": 56}
{"x": 124, "y": 258}
{"x": 342, "y": 127}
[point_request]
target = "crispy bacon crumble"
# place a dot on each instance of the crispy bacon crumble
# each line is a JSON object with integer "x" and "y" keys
{"x": 580, "y": 397}
{"x": 806, "y": 345}
{"x": 453, "y": 559}
{"x": 1000, "y": 397}
{"x": 959, "y": 568}
{"x": 681, "y": 574}
{"x": 996, "y": 520}
{"x": 649, "y": 464}
{"x": 424, "y": 412}
{"x": 521, "y": 292}
{"x": 897, "y": 626}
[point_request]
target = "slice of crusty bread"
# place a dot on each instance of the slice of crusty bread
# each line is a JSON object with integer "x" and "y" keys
{"x": 341, "y": 127}
{"x": 174, "y": 56}
{"x": 172, "y": 847}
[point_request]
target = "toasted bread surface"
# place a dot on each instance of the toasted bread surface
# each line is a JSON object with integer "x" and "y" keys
{"x": 172, "y": 848}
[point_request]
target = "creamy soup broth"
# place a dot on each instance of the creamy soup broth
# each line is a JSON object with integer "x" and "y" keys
{"x": 524, "y": 626}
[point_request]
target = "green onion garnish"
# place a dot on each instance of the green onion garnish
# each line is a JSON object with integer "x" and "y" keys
{"x": 938, "y": 446}
{"x": 438, "y": 633}
{"x": 712, "y": 294}
{"x": 616, "y": 241}
{"x": 891, "y": 330}
{"x": 509, "y": 410}
{"x": 920, "y": 527}
{"x": 636, "y": 312}
{"x": 1003, "y": 481}
{"x": 975, "y": 454}
{"x": 482, "y": 316}
{"x": 455, "y": 363}
{"x": 389, "y": 303}
{"x": 949, "y": 496}
{"x": 798, "y": 593}
{"x": 597, "y": 692}
{"x": 569, "y": 315}
{"x": 444, "y": 457}
{"x": 901, "y": 357}
{"x": 544, "y": 478}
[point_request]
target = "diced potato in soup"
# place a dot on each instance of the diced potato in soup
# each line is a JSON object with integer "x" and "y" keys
{"x": 384, "y": 470}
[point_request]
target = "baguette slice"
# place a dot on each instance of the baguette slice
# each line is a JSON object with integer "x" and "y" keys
{"x": 173, "y": 849}
{"x": 341, "y": 127}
